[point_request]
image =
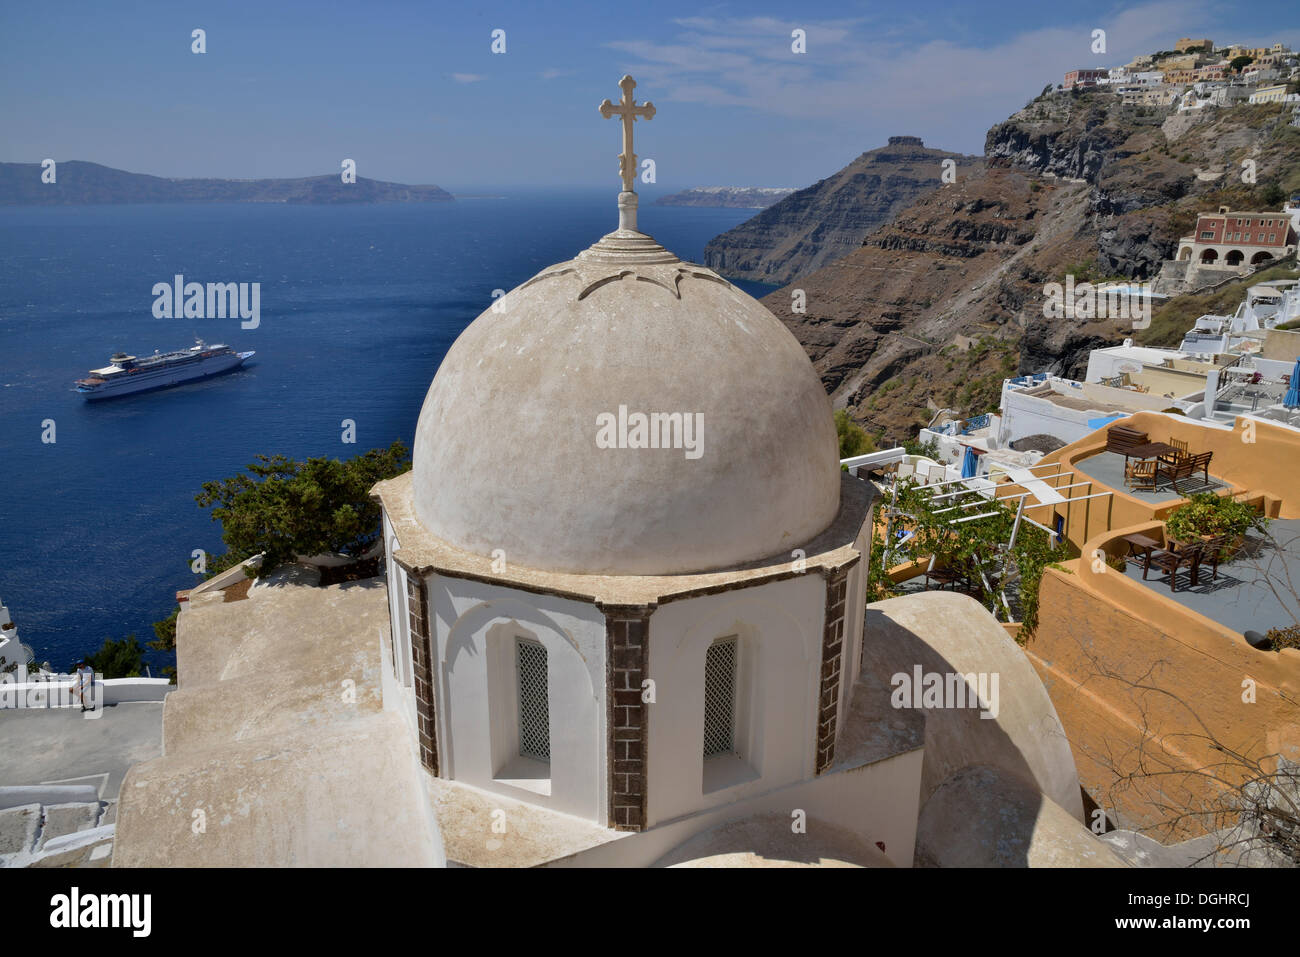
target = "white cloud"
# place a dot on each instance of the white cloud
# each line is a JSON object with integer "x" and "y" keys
{"x": 553, "y": 74}
{"x": 855, "y": 75}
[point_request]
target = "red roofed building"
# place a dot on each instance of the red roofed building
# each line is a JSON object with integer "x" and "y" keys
{"x": 1235, "y": 238}
{"x": 1084, "y": 78}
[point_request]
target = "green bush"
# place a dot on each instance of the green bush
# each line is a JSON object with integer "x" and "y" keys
{"x": 1209, "y": 514}
{"x": 1280, "y": 638}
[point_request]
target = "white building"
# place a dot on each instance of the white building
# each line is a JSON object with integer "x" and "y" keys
{"x": 1274, "y": 94}
{"x": 1291, "y": 207}
{"x": 1065, "y": 409}
{"x": 13, "y": 653}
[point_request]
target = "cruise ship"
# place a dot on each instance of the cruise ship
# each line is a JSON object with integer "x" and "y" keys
{"x": 126, "y": 374}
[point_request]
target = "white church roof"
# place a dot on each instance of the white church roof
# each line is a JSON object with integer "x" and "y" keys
{"x": 421, "y": 551}
{"x": 510, "y": 453}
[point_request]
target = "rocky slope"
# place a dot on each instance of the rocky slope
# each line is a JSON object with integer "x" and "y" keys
{"x": 831, "y": 218}
{"x": 947, "y": 298}
{"x": 1149, "y": 169}
{"x": 732, "y": 197}
{"x": 924, "y": 315}
{"x": 77, "y": 183}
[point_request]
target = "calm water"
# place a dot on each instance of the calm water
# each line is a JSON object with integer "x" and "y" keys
{"x": 359, "y": 305}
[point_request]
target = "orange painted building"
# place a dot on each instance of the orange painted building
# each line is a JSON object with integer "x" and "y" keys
{"x": 1144, "y": 686}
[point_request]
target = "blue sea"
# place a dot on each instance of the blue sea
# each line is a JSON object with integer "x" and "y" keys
{"x": 358, "y": 306}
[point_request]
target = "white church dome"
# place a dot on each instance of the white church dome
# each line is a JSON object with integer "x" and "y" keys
{"x": 527, "y": 441}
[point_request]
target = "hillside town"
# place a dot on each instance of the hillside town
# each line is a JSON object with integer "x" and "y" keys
{"x": 1198, "y": 75}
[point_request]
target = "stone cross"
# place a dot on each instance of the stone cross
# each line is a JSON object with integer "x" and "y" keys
{"x": 628, "y": 111}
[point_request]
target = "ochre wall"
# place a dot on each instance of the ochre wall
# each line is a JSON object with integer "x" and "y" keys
{"x": 1101, "y": 637}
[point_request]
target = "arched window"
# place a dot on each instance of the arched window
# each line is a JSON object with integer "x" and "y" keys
{"x": 519, "y": 708}
{"x": 720, "y": 669}
{"x": 730, "y": 756}
{"x": 534, "y": 710}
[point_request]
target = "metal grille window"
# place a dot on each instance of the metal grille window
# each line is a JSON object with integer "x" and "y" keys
{"x": 534, "y": 713}
{"x": 720, "y": 698}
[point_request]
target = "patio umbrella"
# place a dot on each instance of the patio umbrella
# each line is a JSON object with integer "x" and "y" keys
{"x": 1292, "y": 399}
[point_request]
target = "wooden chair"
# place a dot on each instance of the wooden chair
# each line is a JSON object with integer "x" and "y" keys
{"x": 1211, "y": 551}
{"x": 1141, "y": 474}
{"x": 1201, "y": 463}
{"x": 1170, "y": 559}
{"x": 1180, "y": 446}
{"x": 1178, "y": 471}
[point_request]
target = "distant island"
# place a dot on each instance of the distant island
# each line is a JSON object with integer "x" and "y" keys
{"x": 735, "y": 197}
{"x": 81, "y": 183}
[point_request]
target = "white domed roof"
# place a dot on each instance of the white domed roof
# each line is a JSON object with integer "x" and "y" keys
{"x": 512, "y": 450}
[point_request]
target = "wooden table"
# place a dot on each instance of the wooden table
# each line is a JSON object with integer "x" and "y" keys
{"x": 1151, "y": 450}
{"x": 1141, "y": 544}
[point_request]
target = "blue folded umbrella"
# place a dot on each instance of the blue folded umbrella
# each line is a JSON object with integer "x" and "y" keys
{"x": 1292, "y": 400}
{"x": 968, "y": 468}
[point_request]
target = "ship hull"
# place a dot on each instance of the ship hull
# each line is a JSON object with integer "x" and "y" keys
{"x": 149, "y": 381}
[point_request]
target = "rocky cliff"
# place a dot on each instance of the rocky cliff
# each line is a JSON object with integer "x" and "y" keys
{"x": 940, "y": 303}
{"x": 925, "y": 315}
{"x": 1149, "y": 169}
{"x": 77, "y": 183}
{"x": 831, "y": 218}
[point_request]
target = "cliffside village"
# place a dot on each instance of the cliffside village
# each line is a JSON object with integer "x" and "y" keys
{"x": 1197, "y": 75}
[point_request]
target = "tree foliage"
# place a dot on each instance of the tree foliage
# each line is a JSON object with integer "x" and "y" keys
{"x": 165, "y": 632}
{"x": 122, "y": 658}
{"x": 976, "y": 551}
{"x": 929, "y": 449}
{"x": 287, "y": 508}
{"x": 853, "y": 438}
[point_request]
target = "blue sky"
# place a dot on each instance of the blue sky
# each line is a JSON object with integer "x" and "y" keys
{"x": 413, "y": 93}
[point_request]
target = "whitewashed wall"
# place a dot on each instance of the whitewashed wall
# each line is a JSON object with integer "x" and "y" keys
{"x": 475, "y": 625}
{"x": 398, "y": 689}
{"x": 780, "y": 629}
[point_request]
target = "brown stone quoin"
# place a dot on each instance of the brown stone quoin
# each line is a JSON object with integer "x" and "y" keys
{"x": 627, "y": 653}
{"x": 832, "y": 646}
{"x": 418, "y": 601}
